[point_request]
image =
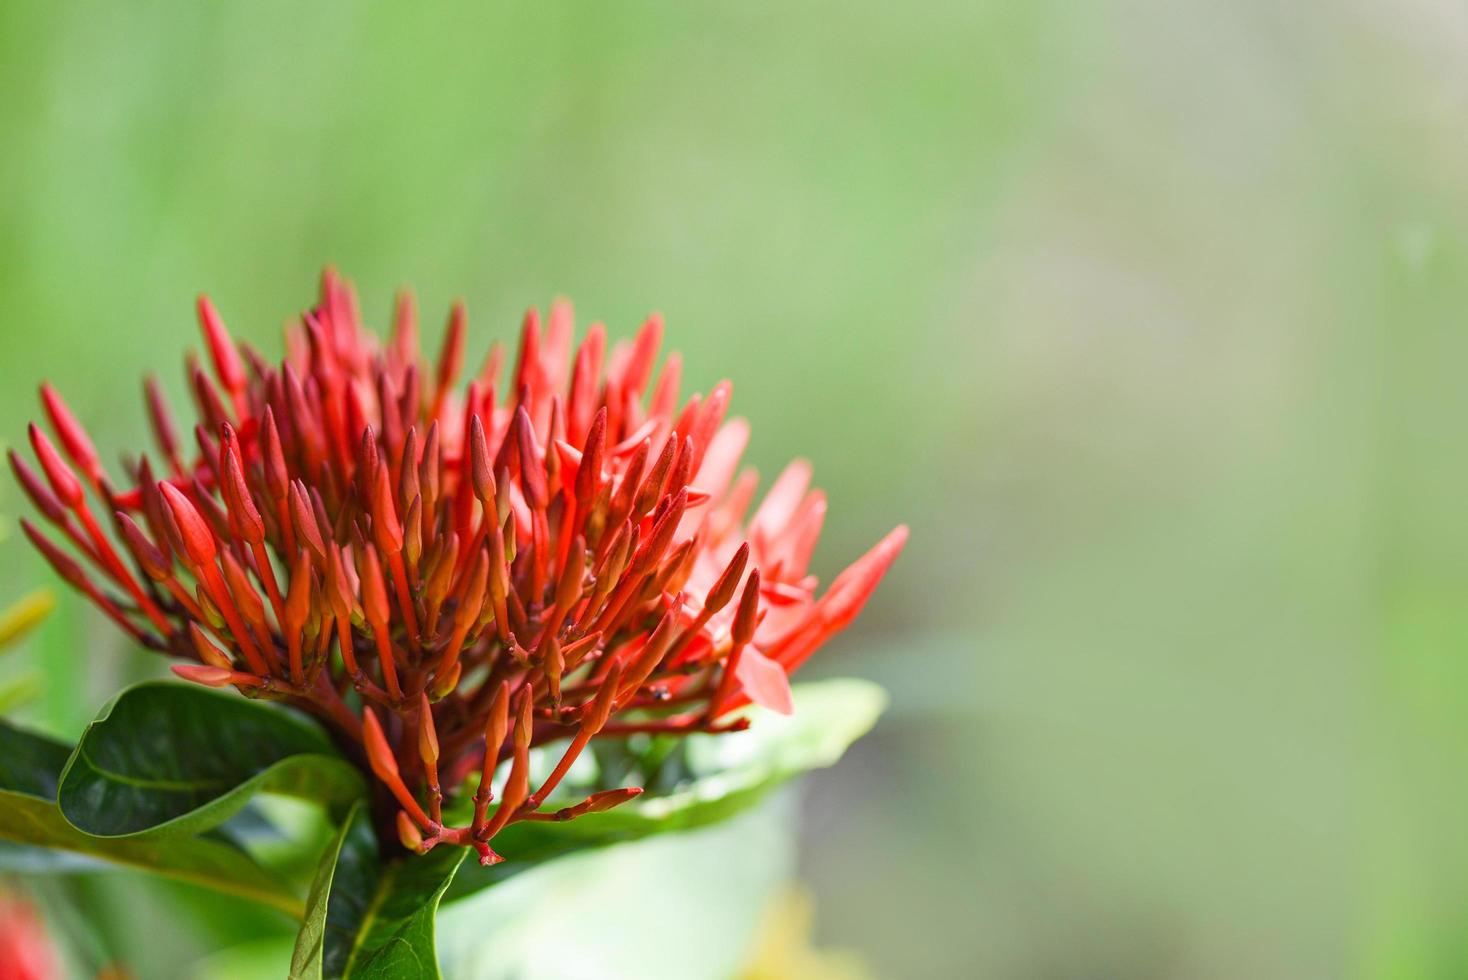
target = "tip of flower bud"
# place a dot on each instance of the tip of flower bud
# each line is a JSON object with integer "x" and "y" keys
{"x": 277, "y": 475}
{"x": 605, "y": 800}
{"x": 374, "y": 590}
{"x": 387, "y": 530}
{"x": 64, "y": 484}
{"x": 37, "y": 491}
{"x": 198, "y": 539}
{"x": 747, "y": 618}
{"x": 303, "y": 519}
{"x": 482, "y": 467}
{"x": 444, "y": 684}
{"x": 379, "y": 753}
{"x": 594, "y": 718}
{"x": 408, "y": 832}
{"x": 298, "y": 594}
{"x": 64, "y": 566}
{"x": 214, "y": 676}
{"x": 244, "y": 517}
{"x": 154, "y": 563}
{"x": 723, "y": 590}
{"x": 74, "y": 438}
{"x": 221, "y": 348}
{"x": 427, "y": 735}
{"x": 207, "y": 651}
{"x": 496, "y": 726}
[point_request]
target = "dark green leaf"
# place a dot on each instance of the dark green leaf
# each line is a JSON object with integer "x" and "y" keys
{"x": 367, "y": 920}
{"x": 733, "y": 772}
{"x": 30, "y": 821}
{"x": 30, "y": 763}
{"x": 179, "y": 759}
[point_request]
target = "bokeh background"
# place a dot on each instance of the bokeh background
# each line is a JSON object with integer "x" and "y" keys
{"x": 1147, "y": 315}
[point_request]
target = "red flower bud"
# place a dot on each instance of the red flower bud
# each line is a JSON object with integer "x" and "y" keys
{"x": 74, "y": 438}
{"x": 39, "y": 494}
{"x": 244, "y": 518}
{"x": 221, "y": 348}
{"x": 64, "y": 484}
{"x": 198, "y": 540}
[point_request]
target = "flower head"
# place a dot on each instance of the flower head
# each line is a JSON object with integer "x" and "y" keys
{"x": 453, "y": 575}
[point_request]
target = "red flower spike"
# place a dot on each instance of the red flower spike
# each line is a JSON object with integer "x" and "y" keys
{"x": 428, "y": 753}
{"x": 386, "y": 530}
{"x": 215, "y": 676}
{"x": 413, "y": 532}
{"x": 161, "y": 422}
{"x": 207, "y": 651}
{"x": 64, "y": 566}
{"x": 408, "y": 833}
{"x": 745, "y": 619}
{"x": 427, "y": 737}
{"x": 644, "y": 352}
{"x": 246, "y": 599}
{"x": 403, "y": 344}
{"x": 480, "y": 466}
{"x": 665, "y": 396}
{"x": 211, "y": 407}
{"x": 375, "y": 607}
{"x": 303, "y": 520}
{"x": 297, "y": 610}
{"x": 366, "y": 471}
{"x": 594, "y": 717}
{"x": 40, "y": 495}
{"x": 194, "y": 531}
{"x": 724, "y": 588}
{"x": 555, "y": 668}
{"x": 64, "y": 484}
{"x": 517, "y": 783}
{"x": 451, "y": 358}
{"x": 494, "y": 563}
{"x": 209, "y": 508}
{"x": 588, "y": 473}
{"x": 385, "y": 766}
{"x": 74, "y": 438}
{"x": 152, "y": 561}
{"x": 374, "y": 590}
{"x": 595, "y": 803}
{"x": 277, "y": 475}
{"x": 444, "y": 683}
{"x": 496, "y": 726}
{"x": 222, "y": 351}
{"x": 244, "y": 519}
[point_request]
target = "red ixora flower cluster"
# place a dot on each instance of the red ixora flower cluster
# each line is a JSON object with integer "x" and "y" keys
{"x": 451, "y": 578}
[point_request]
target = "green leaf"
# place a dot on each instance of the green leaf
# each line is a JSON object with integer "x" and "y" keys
{"x": 732, "y": 773}
{"x": 30, "y": 766}
{"x": 367, "y": 920}
{"x": 176, "y": 760}
{"x": 30, "y": 763}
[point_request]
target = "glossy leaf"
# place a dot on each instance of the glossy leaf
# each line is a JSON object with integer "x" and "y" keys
{"x": 39, "y": 838}
{"x": 731, "y": 773}
{"x": 173, "y": 759}
{"x": 369, "y": 920}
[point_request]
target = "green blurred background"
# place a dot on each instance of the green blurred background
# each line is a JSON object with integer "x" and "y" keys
{"x": 1145, "y": 314}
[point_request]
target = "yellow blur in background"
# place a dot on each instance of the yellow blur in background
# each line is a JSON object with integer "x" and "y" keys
{"x": 1146, "y": 315}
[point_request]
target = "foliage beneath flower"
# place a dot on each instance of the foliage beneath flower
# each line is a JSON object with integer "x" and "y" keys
{"x": 367, "y": 915}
